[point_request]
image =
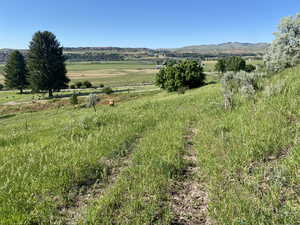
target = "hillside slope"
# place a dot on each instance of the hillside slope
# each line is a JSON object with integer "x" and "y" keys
{"x": 126, "y": 164}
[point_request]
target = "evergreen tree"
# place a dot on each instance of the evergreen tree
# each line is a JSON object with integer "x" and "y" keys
{"x": 46, "y": 63}
{"x": 15, "y": 71}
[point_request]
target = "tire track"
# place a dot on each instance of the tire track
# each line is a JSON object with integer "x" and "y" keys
{"x": 189, "y": 200}
{"x": 94, "y": 189}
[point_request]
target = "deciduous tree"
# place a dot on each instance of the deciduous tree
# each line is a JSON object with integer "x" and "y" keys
{"x": 285, "y": 49}
{"x": 188, "y": 74}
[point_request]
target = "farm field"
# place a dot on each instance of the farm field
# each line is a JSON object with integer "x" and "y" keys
{"x": 112, "y": 74}
{"x": 109, "y": 73}
{"x": 131, "y": 164}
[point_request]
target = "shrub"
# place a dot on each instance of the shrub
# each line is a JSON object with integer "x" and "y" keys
{"x": 74, "y": 99}
{"x": 276, "y": 89}
{"x": 92, "y": 101}
{"x": 87, "y": 84}
{"x": 72, "y": 86}
{"x": 239, "y": 82}
{"x": 188, "y": 74}
{"x": 78, "y": 84}
{"x": 101, "y": 85}
{"x": 1, "y": 86}
{"x": 250, "y": 68}
{"x": 108, "y": 90}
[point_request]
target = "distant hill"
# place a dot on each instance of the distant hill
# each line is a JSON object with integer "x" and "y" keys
{"x": 117, "y": 53}
{"x": 225, "y": 48}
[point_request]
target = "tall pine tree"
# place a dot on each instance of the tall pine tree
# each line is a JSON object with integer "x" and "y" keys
{"x": 15, "y": 71}
{"x": 46, "y": 63}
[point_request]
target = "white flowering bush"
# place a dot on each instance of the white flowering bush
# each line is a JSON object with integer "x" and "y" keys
{"x": 284, "y": 51}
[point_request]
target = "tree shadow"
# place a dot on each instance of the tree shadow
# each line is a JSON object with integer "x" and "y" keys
{"x": 210, "y": 83}
{"x": 7, "y": 116}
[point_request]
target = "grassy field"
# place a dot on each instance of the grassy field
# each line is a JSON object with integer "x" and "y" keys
{"x": 113, "y": 73}
{"x": 109, "y": 73}
{"x": 119, "y": 165}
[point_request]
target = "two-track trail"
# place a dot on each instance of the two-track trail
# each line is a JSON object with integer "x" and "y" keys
{"x": 93, "y": 190}
{"x": 189, "y": 200}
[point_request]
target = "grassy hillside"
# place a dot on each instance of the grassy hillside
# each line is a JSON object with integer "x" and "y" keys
{"x": 120, "y": 164}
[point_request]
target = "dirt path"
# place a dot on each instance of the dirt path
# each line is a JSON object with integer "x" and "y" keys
{"x": 95, "y": 189}
{"x": 189, "y": 198}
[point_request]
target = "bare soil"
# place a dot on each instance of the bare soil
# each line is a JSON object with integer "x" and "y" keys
{"x": 190, "y": 198}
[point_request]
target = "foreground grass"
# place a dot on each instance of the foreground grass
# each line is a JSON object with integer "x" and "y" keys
{"x": 249, "y": 158}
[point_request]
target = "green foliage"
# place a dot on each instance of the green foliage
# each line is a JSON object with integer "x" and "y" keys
{"x": 1, "y": 86}
{"x": 101, "y": 85}
{"x": 46, "y": 63}
{"x": 72, "y": 86}
{"x": 235, "y": 63}
{"x": 87, "y": 84}
{"x": 250, "y": 68}
{"x": 15, "y": 71}
{"x": 74, "y": 99}
{"x": 221, "y": 66}
{"x": 107, "y": 90}
{"x": 184, "y": 74}
{"x": 284, "y": 51}
{"x": 78, "y": 84}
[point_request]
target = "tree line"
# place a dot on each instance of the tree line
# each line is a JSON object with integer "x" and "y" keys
{"x": 44, "y": 68}
{"x": 234, "y": 63}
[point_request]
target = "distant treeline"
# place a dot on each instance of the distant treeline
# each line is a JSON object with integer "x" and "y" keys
{"x": 93, "y": 56}
{"x": 108, "y": 49}
{"x": 119, "y": 54}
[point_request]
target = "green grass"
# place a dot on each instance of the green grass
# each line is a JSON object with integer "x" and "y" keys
{"x": 114, "y": 74}
{"x": 86, "y": 66}
{"x": 133, "y": 78}
{"x": 249, "y": 157}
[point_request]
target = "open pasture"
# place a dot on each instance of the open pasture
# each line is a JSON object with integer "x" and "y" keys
{"x": 112, "y": 73}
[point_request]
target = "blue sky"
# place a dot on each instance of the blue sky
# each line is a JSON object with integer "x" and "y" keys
{"x": 142, "y": 23}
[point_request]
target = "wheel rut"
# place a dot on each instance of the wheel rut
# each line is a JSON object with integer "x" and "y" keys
{"x": 76, "y": 212}
{"x": 189, "y": 198}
